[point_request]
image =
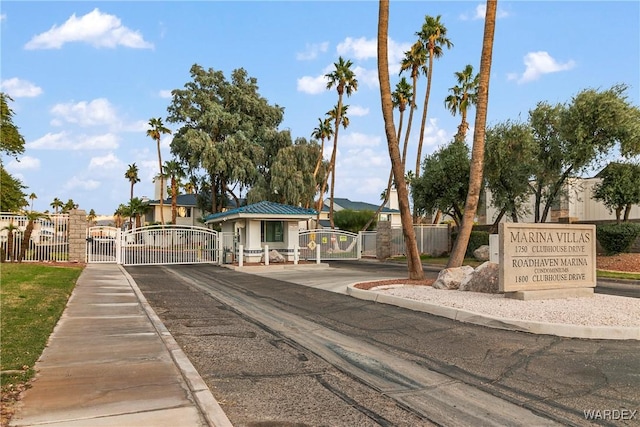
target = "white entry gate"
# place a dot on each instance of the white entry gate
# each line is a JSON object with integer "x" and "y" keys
{"x": 152, "y": 245}
{"x": 333, "y": 244}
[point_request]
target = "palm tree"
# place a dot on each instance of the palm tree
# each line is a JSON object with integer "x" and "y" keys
{"x": 477, "y": 151}
{"x": 91, "y": 217}
{"x": 132, "y": 176}
{"x": 56, "y": 204}
{"x": 136, "y": 209}
{"x": 462, "y": 97}
{"x": 344, "y": 80}
{"x": 414, "y": 60}
{"x": 174, "y": 171}
{"x": 331, "y": 171}
{"x": 32, "y": 216}
{"x": 155, "y": 133}
{"x": 32, "y": 197}
{"x": 69, "y": 206}
{"x": 433, "y": 37}
{"x": 118, "y": 215}
{"x": 322, "y": 132}
{"x": 11, "y": 228}
{"x": 414, "y": 264}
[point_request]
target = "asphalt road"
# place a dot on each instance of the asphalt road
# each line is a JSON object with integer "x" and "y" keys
{"x": 281, "y": 354}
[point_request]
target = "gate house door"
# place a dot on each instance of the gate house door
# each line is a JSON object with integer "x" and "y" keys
{"x": 102, "y": 244}
{"x": 334, "y": 244}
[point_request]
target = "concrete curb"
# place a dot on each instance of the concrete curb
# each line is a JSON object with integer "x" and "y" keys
{"x": 540, "y": 328}
{"x": 209, "y": 407}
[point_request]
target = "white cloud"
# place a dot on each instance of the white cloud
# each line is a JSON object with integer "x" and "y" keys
{"x": 357, "y": 139}
{"x": 312, "y": 85}
{"x": 95, "y": 28}
{"x": 25, "y": 163}
{"x": 480, "y": 12}
{"x": 79, "y": 183}
{"x": 312, "y": 50}
{"x": 434, "y": 135}
{"x": 537, "y": 64}
{"x": 96, "y": 112}
{"x": 106, "y": 162}
{"x": 3, "y": 17}
{"x": 17, "y": 88}
{"x": 360, "y": 48}
{"x": 165, "y": 93}
{"x": 366, "y": 77}
{"x": 66, "y": 141}
{"x": 357, "y": 111}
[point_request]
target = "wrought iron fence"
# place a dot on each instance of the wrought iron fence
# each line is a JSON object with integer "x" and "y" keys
{"x": 48, "y": 239}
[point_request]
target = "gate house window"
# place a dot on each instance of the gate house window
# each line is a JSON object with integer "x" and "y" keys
{"x": 272, "y": 231}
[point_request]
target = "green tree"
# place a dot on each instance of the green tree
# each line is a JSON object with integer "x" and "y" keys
{"x": 119, "y": 214}
{"x": 91, "y": 217}
{"x": 11, "y": 141}
{"x": 574, "y": 137}
{"x": 32, "y": 197}
{"x": 477, "y": 151}
{"x": 69, "y": 206}
{"x": 433, "y": 37}
{"x": 131, "y": 175}
{"x": 155, "y": 132}
{"x": 415, "y": 60}
{"x": 619, "y": 189}
{"x": 445, "y": 187}
{"x": 462, "y": 96}
{"x": 56, "y": 204}
{"x": 322, "y": 132}
{"x": 136, "y": 209}
{"x": 509, "y": 148}
{"x": 354, "y": 221}
{"x": 12, "y": 196}
{"x": 11, "y": 228}
{"x": 344, "y": 80}
{"x": 174, "y": 171}
{"x": 414, "y": 264}
{"x": 226, "y": 129}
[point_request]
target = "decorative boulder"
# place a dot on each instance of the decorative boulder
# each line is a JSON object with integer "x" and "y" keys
{"x": 450, "y": 278}
{"x": 485, "y": 279}
{"x": 274, "y": 257}
{"x": 483, "y": 253}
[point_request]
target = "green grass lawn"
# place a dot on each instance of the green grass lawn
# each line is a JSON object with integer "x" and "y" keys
{"x": 32, "y": 299}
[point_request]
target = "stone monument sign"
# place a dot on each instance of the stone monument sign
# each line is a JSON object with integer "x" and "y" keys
{"x": 559, "y": 259}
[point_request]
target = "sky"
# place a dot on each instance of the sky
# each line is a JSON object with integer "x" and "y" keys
{"x": 86, "y": 77}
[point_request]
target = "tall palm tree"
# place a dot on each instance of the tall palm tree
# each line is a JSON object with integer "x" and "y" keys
{"x": 56, "y": 204}
{"x": 462, "y": 96}
{"x": 91, "y": 217}
{"x": 414, "y": 61}
{"x": 174, "y": 171}
{"x": 32, "y": 197}
{"x": 414, "y": 264}
{"x": 322, "y": 132}
{"x": 344, "y": 121}
{"x": 433, "y": 36}
{"x": 155, "y": 132}
{"x": 132, "y": 176}
{"x": 477, "y": 151}
{"x": 344, "y": 80}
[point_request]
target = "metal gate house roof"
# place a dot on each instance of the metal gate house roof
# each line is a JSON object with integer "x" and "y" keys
{"x": 263, "y": 210}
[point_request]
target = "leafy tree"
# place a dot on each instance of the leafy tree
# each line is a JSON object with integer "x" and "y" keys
{"x": 11, "y": 141}
{"x": 414, "y": 264}
{"x": 462, "y": 97}
{"x": 477, "y": 151}
{"x": 136, "y": 209}
{"x": 157, "y": 129}
{"x": 574, "y": 137}
{"x": 445, "y": 187}
{"x": 69, "y": 206}
{"x": 509, "y": 148}
{"x": 32, "y": 197}
{"x": 12, "y": 196}
{"x": 344, "y": 80}
{"x": 174, "y": 171}
{"x": 132, "y": 176}
{"x": 619, "y": 189}
{"x": 226, "y": 128}
{"x": 433, "y": 37}
{"x": 354, "y": 221}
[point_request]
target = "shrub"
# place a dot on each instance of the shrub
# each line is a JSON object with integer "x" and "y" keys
{"x": 476, "y": 239}
{"x": 617, "y": 238}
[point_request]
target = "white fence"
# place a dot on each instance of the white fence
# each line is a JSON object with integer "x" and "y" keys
{"x": 431, "y": 239}
{"x": 49, "y": 240}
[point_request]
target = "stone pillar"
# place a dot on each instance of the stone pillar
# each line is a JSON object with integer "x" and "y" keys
{"x": 77, "y": 236}
{"x": 383, "y": 240}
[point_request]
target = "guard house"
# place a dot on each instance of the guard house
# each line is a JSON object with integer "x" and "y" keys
{"x": 263, "y": 223}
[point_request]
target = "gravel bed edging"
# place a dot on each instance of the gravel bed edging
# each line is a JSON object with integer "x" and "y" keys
{"x": 534, "y": 327}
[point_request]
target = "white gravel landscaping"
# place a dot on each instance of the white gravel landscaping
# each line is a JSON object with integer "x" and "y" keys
{"x": 600, "y": 310}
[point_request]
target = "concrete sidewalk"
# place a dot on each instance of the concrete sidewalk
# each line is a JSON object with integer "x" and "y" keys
{"x": 111, "y": 362}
